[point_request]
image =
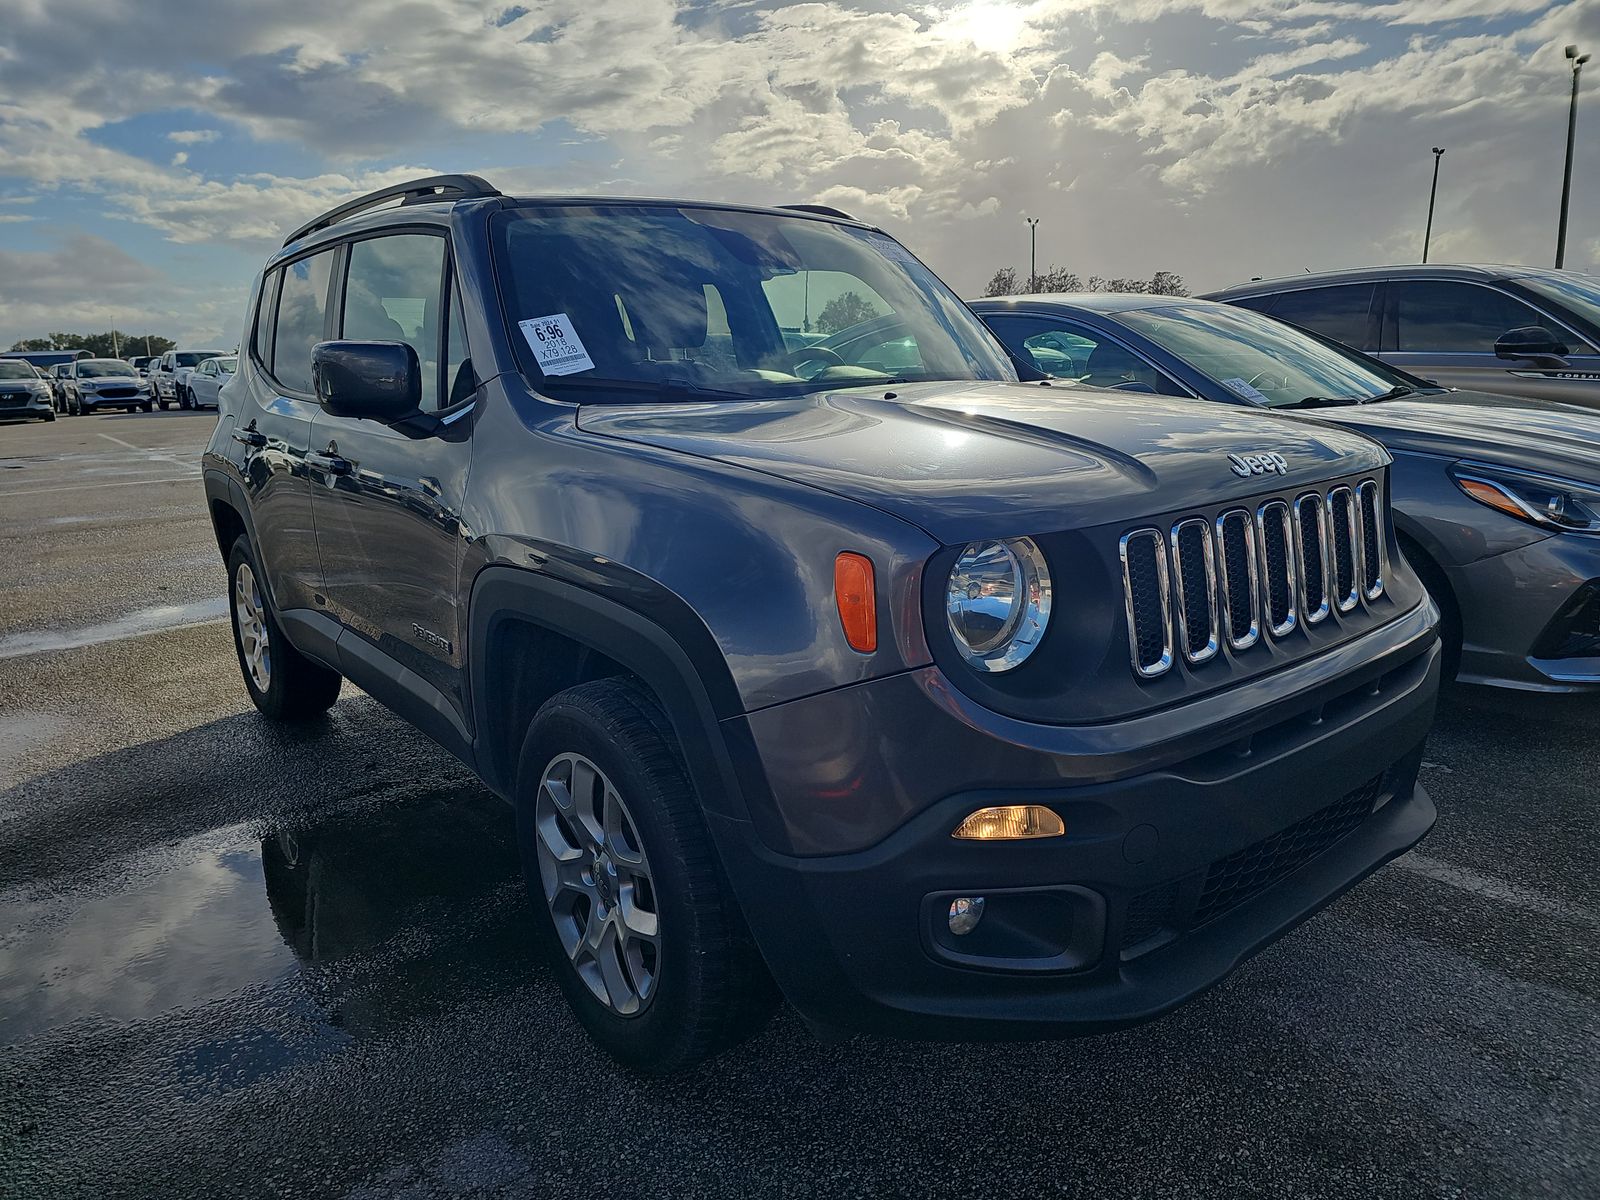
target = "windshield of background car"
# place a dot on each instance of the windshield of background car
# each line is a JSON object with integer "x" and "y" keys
{"x": 1580, "y": 293}
{"x": 16, "y": 370}
{"x": 102, "y": 370}
{"x": 227, "y": 365}
{"x": 727, "y": 302}
{"x": 192, "y": 358}
{"x": 1256, "y": 357}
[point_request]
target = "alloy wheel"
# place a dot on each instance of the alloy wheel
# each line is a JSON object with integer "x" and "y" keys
{"x": 252, "y": 620}
{"x": 598, "y": 885}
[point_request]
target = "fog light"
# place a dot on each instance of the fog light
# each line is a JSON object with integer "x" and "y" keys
{"x": 1011, "y": 822}
{"x": 965, "y": 913}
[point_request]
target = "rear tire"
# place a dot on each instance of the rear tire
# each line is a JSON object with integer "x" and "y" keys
{"x": 642, "y": 861}
{"x": 145, "y": 407}
{"x": 284, "y": 684}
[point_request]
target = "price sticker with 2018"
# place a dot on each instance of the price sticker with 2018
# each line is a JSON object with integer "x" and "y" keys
{"x": 556, "y": 345}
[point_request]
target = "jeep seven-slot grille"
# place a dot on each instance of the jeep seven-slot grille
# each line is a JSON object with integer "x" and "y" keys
{"x": 1282, "y": 565}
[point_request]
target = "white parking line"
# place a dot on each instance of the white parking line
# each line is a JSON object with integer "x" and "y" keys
{"x": 95, "y": 487}
{"x": 151, "y": 453}
{"x": 1500, "y": 891}
{"x": 163, "y": 618}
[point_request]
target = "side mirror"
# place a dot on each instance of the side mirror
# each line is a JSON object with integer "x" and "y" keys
{"x": 1530, "y": 341}
{"x": 380, "y": 381}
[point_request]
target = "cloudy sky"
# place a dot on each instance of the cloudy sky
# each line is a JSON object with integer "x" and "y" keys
{"x": 153, "y": 151}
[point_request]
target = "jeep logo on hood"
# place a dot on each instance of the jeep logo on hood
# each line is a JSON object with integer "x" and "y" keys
{"x": 1246, "y": 465}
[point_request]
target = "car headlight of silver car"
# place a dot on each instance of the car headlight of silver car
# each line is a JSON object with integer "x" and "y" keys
{"x": 1555, "y": 504}
{"x": 997, "y": 601}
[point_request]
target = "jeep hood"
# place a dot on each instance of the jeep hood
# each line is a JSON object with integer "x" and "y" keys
{"x": 968, "y": 460}
{"x": 1532, "y": 435}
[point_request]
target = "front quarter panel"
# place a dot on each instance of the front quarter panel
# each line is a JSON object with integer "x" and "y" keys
{"x": 750, "y": 555}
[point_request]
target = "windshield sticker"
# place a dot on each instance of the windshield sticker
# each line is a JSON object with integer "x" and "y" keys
{"x": 1245, "y": 390}
{"x": 556, "y": 345}
{"x": 893, "y": 250}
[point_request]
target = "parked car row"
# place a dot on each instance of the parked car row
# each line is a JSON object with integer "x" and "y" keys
{"x": 84, "y": 386}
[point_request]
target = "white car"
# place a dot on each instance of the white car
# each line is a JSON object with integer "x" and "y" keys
{"x": 207, "y": 380}
{"x": 170, "y": 375}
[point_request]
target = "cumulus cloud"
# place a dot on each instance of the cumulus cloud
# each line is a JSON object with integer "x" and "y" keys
{"x": 1219, "y": 138}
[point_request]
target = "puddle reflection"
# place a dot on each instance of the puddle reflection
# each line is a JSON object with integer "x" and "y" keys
{"x": 376, "y": 915}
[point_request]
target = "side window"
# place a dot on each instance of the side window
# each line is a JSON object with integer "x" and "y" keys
{"x": 1337, "y": 312}
{"x": 459, "y": 381}
{"x": 1455, "y": 318}
{"x": 1070, "y": 351}
{"x": 391, "y": 294}
{"x": 261, "y": 335}
{"x": 302, "y": 305}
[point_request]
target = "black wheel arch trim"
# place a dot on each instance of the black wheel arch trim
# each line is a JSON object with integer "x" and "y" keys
{"x": 686, "y": 671}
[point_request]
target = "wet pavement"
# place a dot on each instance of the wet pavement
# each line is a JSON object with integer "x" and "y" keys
{"x": 237, "y": 960}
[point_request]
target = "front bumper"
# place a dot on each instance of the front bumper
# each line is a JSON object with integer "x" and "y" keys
{"x": 1517, "y": 610}
{"x": 1166, "y": 881}
{"x": 13, "y": 408}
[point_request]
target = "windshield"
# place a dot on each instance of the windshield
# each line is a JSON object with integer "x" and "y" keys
{"x": 1581, "y": 293}
{"x": 193, "y": 358}
{"x": 16, "y": 370}
{"x": 227, "y": 365}
{"x": 724, "y": 302}
{"x": 1259, "y": 359}
{"x": 102, "y": 368}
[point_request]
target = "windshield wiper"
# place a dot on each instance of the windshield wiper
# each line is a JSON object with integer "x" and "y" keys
{"x": 1394, "y": 393}
{"x": 1321, "y": 402}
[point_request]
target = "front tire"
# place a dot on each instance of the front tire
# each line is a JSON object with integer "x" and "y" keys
{"x": 283, "y": 683}
{"x": 648, "y": 944}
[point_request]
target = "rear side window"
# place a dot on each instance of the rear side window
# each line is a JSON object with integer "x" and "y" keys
{"x": 261, "y": 336}
{"x": 1455, "y": 318}
{"x": 1337, "y": 312}
{"x": 391, "y": 294}
{"x": 302, "y": 309}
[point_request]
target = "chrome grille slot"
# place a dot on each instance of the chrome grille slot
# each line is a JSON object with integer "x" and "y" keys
{"x": 1194, "y": 561}
{"x": 1311, "y": 544}
{"x": 1147, "y": 599}
{"x": 1344, "y": 548}
{"x": 1369, "y": 510}
{"x": 1240, "y": 577}
{"x": 1277, "y": 564}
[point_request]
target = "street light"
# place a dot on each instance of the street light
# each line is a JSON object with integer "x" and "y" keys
{"x": 1427, "y": 236}
{"x": 1033, "y": 254}
{"x": 1577, "y": 62}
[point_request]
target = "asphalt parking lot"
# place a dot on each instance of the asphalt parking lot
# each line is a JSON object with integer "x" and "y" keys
{"x": 241, "y": 961}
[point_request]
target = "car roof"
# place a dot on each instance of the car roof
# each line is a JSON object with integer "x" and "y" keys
{"x": 428, "y": 211}
{"x": 1100, "y": 302}
{"x": 1471, "y": 271}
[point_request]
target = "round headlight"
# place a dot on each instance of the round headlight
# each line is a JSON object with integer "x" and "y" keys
{"x": 998, "y": 602}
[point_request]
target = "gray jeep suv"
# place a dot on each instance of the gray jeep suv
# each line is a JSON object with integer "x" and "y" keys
{"x": 953, "y": 704}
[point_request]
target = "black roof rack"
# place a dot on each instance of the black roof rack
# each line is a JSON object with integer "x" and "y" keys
{"x": 418, "y": 191}
{"x": 822, "y": 210}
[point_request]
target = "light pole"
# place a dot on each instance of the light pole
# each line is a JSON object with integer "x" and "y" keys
{"x": 1577, "y": 62}
{"x": 1033, "y": 254}
{"x": 1427, "y": 236}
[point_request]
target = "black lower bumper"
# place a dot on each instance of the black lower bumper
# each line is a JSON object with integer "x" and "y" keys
{"x": 1163, "y": 884}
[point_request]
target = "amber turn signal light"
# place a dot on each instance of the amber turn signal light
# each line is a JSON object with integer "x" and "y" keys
{"x": 857, "y": 598}
{"x": 1011, "y": 823}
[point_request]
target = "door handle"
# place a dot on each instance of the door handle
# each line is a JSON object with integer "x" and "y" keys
{"x": 331, "y": 463}
{"x": 250, "y": 437}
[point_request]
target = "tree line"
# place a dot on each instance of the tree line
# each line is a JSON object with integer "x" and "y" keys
{"x": 1059, "y": 279}
{"x": 113, "y": 343}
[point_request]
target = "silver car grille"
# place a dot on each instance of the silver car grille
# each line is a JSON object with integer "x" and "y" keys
{"x": 1246, "y": 574}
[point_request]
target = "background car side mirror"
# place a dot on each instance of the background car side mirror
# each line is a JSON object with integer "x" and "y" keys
{"x": 380, "y": 381}
{"x": 1530, "y": 341}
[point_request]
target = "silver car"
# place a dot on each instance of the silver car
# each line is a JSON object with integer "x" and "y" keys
{"x": 207, "y": 380}
{"x": 1516, "y": 331}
